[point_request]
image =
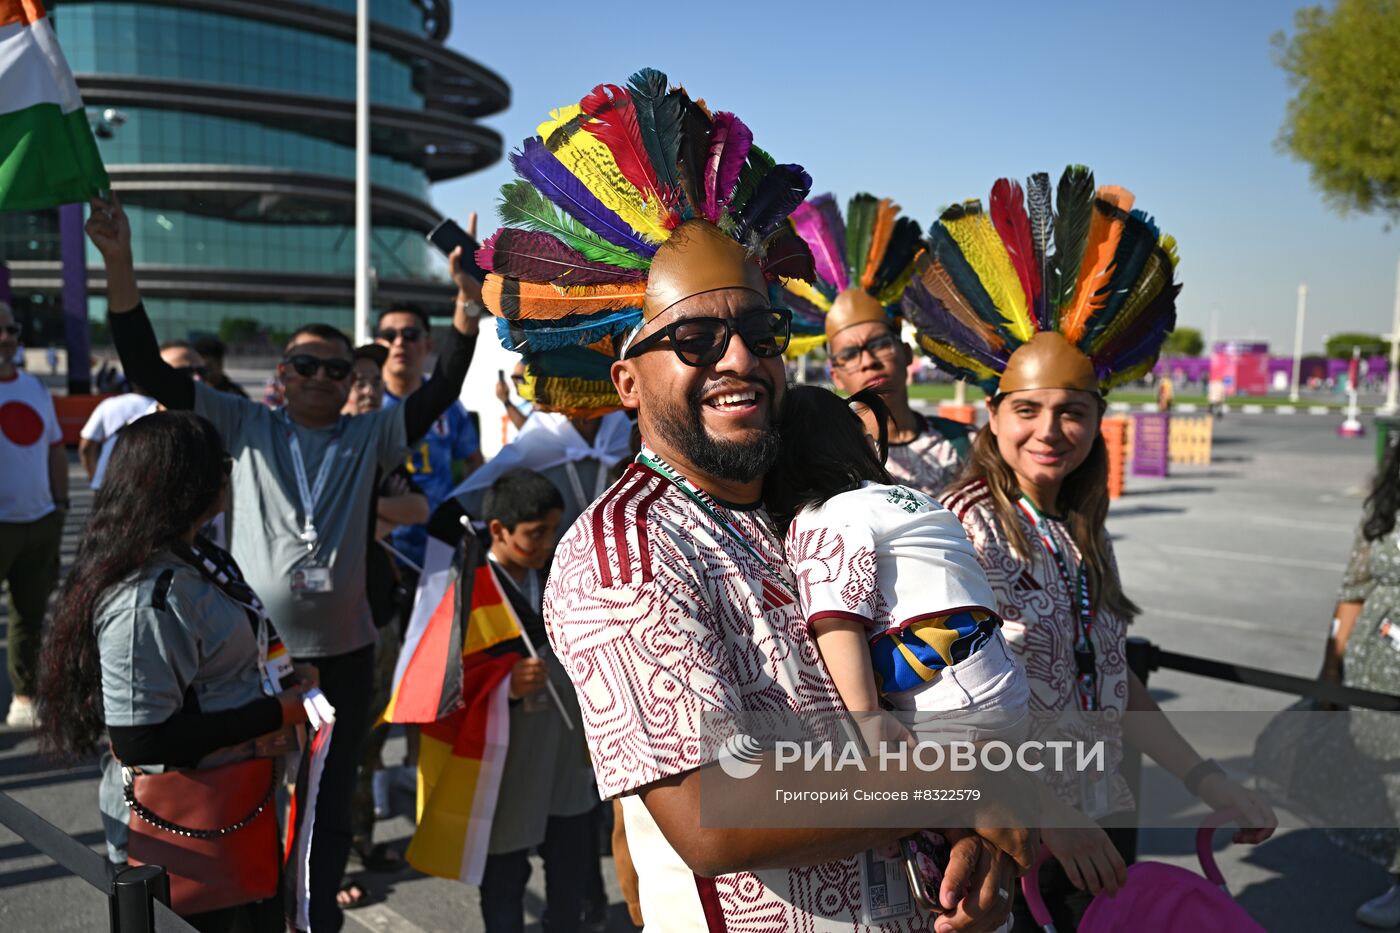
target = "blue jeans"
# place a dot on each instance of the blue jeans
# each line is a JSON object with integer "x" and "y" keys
{"x": 567, "y": 849}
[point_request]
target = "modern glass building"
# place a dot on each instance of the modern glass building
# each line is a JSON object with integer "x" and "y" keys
{"x": 232, "y": 147}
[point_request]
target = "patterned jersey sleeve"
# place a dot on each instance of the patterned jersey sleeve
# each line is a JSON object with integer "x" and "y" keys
{"x": 834, "y": 562}
{"x": 650, "y": 668}
{"x": 1356, "y": 581}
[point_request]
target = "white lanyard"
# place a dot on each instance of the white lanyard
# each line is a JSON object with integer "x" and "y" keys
{"x": 310, "y": 494}
{"x": 577, "y": 484}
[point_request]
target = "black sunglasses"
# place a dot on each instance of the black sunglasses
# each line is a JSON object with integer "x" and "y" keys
{"x": 409, "y": 334}
{"x": 306, "y": 365}
{"x": 12, "y": 329}
{"x": 703, "y": 341}
{"x": 228, "y": 465}
{"x": 194, "y": 372}
{"x": 878, "y": 346}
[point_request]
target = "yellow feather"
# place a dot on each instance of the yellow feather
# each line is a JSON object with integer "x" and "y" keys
{"x": 802, "y": 344}
{"x": 805, "y": 290}
{"x": 590, "y": 161}
{"x": 1129, "y": 375}
{"x": 946, "y": 353}
{"x": 981, "y": 245}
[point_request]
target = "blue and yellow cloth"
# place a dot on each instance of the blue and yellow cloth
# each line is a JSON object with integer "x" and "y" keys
{"x": 914, "y": 654}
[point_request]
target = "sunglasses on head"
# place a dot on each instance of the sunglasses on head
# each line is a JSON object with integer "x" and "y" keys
{"x": 703, "y": 341}
{"x": 409, "y": 334}
{"x": 307, "y": 365}
{"x": 12, "y": 329}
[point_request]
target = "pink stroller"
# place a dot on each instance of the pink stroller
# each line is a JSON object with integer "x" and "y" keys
{"x": 1158, "y": 898}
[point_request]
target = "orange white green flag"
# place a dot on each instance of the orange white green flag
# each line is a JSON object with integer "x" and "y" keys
{"x": 47, "y": 152}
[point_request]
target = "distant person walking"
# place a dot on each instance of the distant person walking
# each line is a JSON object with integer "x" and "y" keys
{"x": 33, "y": 503}
{"x": 212, "y": 349}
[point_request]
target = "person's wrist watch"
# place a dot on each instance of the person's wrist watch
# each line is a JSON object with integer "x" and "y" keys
{"x": 1197, "y": 775}
{"x": 63, "y": 505}
{"x": 473, "y": 309}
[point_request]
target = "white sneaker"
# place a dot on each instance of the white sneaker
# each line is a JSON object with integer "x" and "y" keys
{"x": 22, "y": 715}
{"x": 1382, "y": 912}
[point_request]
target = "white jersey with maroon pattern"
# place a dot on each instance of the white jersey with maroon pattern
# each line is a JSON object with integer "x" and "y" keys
{"x": 1040, "y": 620}
{"x": 928, "y": 463}
{"x": 661, "y": 618}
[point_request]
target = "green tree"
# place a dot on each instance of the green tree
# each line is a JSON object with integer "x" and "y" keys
{"x": 1344, "y": 120}
{"x": 239, "y": 331}
{"x": 1184, "y": 341}
{"x": 1339, "y": 345}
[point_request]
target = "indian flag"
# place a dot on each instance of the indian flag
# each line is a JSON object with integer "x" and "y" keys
{"x": 47, "y": 153}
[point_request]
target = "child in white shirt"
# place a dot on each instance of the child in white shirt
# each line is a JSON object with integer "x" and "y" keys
{"x": 886, "y": 577}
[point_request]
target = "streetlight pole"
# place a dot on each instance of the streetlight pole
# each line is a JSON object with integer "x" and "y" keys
{"x": 1392, "y": 376}
{"x": 362, "y": 295}
{"x": 1298, "y": 341}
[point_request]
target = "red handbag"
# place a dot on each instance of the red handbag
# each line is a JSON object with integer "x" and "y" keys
{"x": 213, "y": 829}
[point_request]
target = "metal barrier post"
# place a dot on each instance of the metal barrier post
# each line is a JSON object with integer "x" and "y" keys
{"x": 134, "y": 892}
{"x": 1141, "y": 654}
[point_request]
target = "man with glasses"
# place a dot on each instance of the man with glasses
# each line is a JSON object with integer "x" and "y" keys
{"x": 99, "y": 435}
{"x": 33, "y": 503}
{"x": 300, "y": 495}
{"x": 925, "y": 452}
{"x": 450, "y": 450}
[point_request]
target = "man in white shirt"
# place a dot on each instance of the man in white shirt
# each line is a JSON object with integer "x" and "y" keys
{"x": 98, "y": 437}
{"x": 33, "y": 502}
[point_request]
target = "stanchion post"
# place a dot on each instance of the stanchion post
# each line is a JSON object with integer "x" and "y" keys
{"x": 134, "y": 893}
{"x": 1141, "y": 654}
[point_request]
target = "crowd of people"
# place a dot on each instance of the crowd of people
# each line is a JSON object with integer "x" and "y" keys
{"x": 678, "y": 533}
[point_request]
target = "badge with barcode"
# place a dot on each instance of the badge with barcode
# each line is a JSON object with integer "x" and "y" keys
{"x": 884, "y": 888}
{"x": 1391, "y": 631}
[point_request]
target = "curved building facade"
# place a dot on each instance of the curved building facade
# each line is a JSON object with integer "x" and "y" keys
{"x": 234, "y": 154}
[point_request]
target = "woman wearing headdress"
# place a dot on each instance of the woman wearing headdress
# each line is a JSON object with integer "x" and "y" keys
{"x": 1047, "y": 310}
{"x": 863, "y": 262}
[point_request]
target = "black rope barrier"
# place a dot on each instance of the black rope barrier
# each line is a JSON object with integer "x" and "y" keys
{"x": 137, "y": 896}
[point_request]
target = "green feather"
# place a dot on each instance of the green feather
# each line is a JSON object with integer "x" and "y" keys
{"x": 860, "y": 227}
{"x": 758, "y": 165}
{"x": 1074, "y": 208}
{"x": 523, "y": 206}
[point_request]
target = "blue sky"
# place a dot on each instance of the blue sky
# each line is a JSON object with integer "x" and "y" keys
{"x": 930, "y": 102}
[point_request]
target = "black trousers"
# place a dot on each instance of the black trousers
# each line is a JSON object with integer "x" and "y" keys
{"x": 567, "y": 850}
{"x": 347, "y": 680}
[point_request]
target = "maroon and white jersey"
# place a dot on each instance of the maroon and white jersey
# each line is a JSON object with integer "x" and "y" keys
{"x": 661, "y": 619}
{"x": 1040, "y": 622}
{"x": 928, "y": 463}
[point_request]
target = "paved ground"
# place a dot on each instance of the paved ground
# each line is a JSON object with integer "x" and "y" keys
{"x": 1239, "y": 560}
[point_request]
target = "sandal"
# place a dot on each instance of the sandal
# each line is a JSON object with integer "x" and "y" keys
{"x": 351, "y": 896}
{"x": 383, "y": 859}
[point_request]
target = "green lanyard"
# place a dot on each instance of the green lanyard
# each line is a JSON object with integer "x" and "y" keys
{"x": 651, "y": 461}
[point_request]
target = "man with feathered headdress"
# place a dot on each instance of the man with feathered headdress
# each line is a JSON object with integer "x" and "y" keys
{"x": 864, "y": 261}
{"x": 640, "y": 269}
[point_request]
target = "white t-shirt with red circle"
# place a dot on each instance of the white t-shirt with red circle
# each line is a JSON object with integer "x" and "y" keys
{"x": 28, "y": 429}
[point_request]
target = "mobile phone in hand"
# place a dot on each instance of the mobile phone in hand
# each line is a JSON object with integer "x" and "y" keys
{"x": 926, "y": 857}
{"x": 447, "y": 236}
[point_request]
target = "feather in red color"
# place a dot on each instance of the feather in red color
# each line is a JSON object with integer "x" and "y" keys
{"x": 539, "y": 257}
{"x": 615, "y": 123}
{"x": 1008, "y": 212}
{"x": 730, "y": 141}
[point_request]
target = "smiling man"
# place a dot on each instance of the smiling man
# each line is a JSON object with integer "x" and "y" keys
{"x": 669, "y": 600}
{"x": 302, "y": 480}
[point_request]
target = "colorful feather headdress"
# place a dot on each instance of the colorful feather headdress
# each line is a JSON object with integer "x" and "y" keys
{"x": 604, "y": 186}
{"x": 1086, "y": 288}
{"x": 871, "y": 251}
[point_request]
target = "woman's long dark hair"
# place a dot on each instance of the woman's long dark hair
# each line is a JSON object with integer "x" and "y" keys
{"x": 1384, "y": 500}
{"x": 825, "y": 451}
{"x": 163, "y": 476}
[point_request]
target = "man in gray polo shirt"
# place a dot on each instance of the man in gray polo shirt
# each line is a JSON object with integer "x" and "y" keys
{"x": 301, "y": 486}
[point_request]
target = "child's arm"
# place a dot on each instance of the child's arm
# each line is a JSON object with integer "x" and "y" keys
{"x": 846, "y": 654}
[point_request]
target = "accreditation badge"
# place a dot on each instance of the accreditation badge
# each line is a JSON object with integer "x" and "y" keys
{"x": 311, "y": 578}
{"x": 884, "y": 888}
{"x": 1390, "y": 631}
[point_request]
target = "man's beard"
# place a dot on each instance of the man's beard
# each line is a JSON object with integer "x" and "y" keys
{"x": 683, "y": 430}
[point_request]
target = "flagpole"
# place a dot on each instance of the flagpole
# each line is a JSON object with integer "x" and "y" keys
{"x": 362, "y": 296}
{"x": 558, "y": 701}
